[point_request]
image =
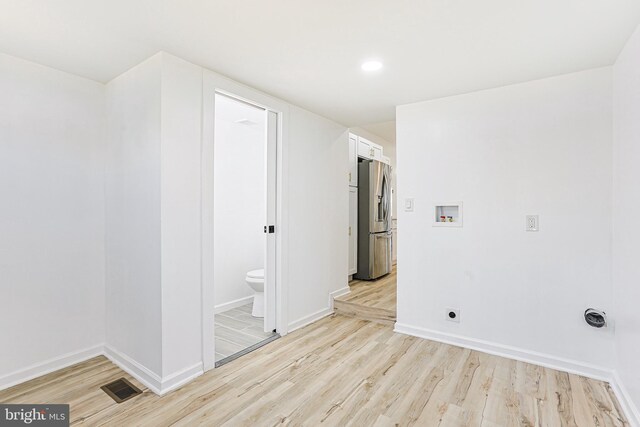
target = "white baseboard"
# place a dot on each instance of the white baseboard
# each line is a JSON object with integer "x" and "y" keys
{"x": 548, "y": 361}
{"x": 147, "y": 377}
{"x": 48, "y": 366}
{"x": 178, "y": 379}
{"x": 624, "y": 398}
{"x": 338, "y": 293}
{"x": 150, "y": 379}
{"x": 221, "y": 308}
{"x": 304, "y": 321}
{"x": 301, "y": 323}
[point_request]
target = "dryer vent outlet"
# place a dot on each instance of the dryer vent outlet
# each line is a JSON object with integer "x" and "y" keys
{"x": 595, "y": 318}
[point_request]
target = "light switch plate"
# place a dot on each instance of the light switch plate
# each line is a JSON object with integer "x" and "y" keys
{"x": 408, "y": 205}
{"x": 533, "y": 223}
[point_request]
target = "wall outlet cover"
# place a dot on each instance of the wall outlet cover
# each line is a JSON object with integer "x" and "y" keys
{"x": 452, "y": 314}
{"x": 533, "y": 223}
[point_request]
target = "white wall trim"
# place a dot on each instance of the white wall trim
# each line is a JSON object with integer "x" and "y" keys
{"x": 307, "y": 320}
{"x": 624, "y": 398}
{"x": 180, "y": 378}
{"x": 314, "y": 317}
{"x": 48, "y": 366}
{"x": 221, "y": 308}
{"x": 150, "y": 379}
{"x": 338, "y": 293}
{"x": 546, "y": 360}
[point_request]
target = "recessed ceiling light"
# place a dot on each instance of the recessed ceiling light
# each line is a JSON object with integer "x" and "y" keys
{"x": 371, "y": 65}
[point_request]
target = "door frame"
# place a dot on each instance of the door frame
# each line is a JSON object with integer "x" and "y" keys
{"x": 213, "y": 84}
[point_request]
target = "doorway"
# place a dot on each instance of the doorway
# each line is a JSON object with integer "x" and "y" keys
{"x": 372, "y": 292}
{"x": 244, "y": 212}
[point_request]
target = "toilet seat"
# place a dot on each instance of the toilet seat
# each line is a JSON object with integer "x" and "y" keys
{"x": 256, "y": 274}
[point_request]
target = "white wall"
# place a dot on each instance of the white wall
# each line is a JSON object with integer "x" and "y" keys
{"x": 239, "y": 198}
{"x": 180, "y": 213}
{"x": 542, "y": 147}
{"x": 134, "y": 323}
{"x": 52, "y": 219}
{"x": 626, "y": 209}
{"x": 318, "y": 213}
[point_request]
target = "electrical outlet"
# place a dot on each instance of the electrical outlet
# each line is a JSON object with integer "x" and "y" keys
{"x": 533, "y": 223}
{"x": 452, "y": 314}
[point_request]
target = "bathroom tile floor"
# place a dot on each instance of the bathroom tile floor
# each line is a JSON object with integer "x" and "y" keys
{"x": 237, "y": 329}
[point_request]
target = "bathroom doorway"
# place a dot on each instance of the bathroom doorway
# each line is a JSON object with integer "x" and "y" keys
{"x": 244, "y": 246}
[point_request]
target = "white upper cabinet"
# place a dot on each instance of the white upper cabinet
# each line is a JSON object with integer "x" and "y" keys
{"x": 364, "y": 148}
{"x": 377, "y": 151}
{"x": 368, "y": 149}
{"x": 353, "y": 160}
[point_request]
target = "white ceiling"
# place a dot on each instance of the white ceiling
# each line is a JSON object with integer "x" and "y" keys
{"x": 385, "y": 130}
{"x": 309, "y": 52}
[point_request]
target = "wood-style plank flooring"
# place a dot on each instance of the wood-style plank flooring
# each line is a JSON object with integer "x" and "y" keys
{"x": 341, "y": 371}
{"x": 370, "y": 300}
{"x": 236, "y": 330}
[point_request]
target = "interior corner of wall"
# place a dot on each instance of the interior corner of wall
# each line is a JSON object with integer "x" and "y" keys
{"x": 146, "y": 376}
{"x": 624, "y": 398}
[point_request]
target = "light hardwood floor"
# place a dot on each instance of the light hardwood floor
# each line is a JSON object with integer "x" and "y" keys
{"x": 370, "y": 300}
{"x": 342, "y": 371}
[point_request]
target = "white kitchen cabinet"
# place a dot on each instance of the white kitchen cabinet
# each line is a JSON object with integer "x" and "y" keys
{"x": 377, "y": 151}
{"x": 368, "y": 149}
{"x": 353, "y": 160}
{"x": 364, "y": 148}
{"x": 353, "y": 230}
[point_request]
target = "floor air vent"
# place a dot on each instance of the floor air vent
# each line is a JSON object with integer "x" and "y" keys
{"x": 121, "y": 390}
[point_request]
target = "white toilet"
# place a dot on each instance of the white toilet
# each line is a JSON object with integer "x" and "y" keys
{"x": 255, "y": 279}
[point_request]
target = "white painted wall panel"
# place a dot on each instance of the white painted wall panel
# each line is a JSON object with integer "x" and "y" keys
{"x": 318, "y": 211}
{"x": 133, "y": 242}
{"x": 542, "y": 148}
{"x": 52, "y": 220}
{"x": 180, "y": 214}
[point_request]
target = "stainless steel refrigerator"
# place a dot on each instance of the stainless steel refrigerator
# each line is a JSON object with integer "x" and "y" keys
{"x": 374, "y": 219}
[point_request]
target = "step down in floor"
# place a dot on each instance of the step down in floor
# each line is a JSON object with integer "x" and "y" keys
{"x": 380, "y": 315}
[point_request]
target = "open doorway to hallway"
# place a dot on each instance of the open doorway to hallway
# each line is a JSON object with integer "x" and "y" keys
{"x": 370, "y": 300}
{"x": 244, "y": 213}
{"x": 372, "y": 230}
